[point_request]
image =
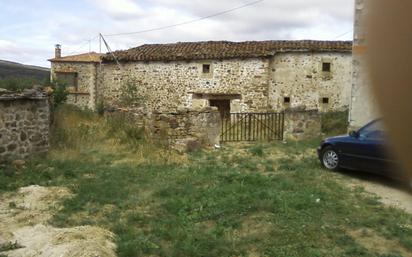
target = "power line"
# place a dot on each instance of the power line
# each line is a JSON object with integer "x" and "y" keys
{"x": 186, "y": 22}
{"x": 344, "y": 34}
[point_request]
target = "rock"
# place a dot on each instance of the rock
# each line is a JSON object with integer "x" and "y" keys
{"x": 18, "y": 164}
{"x": 23, "y": 136}
{"x": 11, "y": 147}
{"x": 182, "y": 109}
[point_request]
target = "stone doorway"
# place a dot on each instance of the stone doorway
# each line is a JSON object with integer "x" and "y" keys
{"x": 223, "y": 105}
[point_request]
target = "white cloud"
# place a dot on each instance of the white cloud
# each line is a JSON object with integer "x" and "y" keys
{"x": 71, "y": 25}
{"x": 119, "y": 9}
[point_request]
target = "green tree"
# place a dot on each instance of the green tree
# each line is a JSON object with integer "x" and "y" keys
{"x": 60, "y": 93}
{"x": 130, "y": 95}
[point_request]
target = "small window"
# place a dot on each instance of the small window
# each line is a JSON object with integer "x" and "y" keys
{"x": 69, "y": 78}
{"x": 286, "y": 100}
{"x": 325, "y": 100}
{"x": 326, "y": 67}
{"x": 206, "y": 68}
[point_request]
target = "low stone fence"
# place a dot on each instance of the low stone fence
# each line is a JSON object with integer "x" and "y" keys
{"x": 184, "y": 130}
{"x": 302, "y": 124}
{"x": 24, "y": 124}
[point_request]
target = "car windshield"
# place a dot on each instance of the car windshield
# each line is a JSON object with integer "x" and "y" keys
{"x": 374, "y": 130}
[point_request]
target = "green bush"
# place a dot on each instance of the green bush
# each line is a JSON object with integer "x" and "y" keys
{"x": 130, "y": 94}
{"x": 59, "y": 93}
{"x": 335, "y": 123}
{"x": 18, "y": 84}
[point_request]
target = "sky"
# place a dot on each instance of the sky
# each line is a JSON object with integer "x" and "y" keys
{"x": 29, "y": 29}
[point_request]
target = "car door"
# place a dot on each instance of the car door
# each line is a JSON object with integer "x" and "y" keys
{"x": 374, "y": 156}
{"x": 352, "y": 152}
{"x": 370, "y": 148}
{"x": 364, "y": 150}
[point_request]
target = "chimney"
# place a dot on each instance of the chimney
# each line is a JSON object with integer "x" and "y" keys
{"x": 58, "y": 51}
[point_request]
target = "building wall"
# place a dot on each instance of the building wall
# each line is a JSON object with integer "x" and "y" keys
{"x": 24, "y": 128}
{"x": 299, "y": 76}
{"x": 363, "y": 103}
{"x": 168, "y": 86}
{"x": 85, "y": 96}
{"x": 261, "y": 83}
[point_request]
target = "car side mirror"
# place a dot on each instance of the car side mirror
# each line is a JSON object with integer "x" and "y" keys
{"x": 354, "y": 134}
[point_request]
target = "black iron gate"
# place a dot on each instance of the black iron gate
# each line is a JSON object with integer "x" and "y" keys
{"x": 238, "y": 127}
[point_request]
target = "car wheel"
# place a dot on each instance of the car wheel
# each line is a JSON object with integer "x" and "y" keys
{"x": 330, "y": 158}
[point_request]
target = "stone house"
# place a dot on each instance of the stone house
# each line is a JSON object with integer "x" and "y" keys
{"x": 254, "y": 76}
{"x": 79, "y": 72}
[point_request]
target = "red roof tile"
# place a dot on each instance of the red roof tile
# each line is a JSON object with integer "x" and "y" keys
{"x": 86, "y": 57}
{"x": 223, "y": 50}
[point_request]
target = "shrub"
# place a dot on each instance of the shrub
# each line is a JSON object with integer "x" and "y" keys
{"x": 130, "y": 94}
{"x": 335, "y": 123}
{"x": 18, "y": 84}
{"x": 59, "y": 93}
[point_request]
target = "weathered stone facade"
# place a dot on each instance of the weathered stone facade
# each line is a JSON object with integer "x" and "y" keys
{"x": 299, "y": 76}
{"x": 363, "y": 105}
{"x": 84, "y": 93}
{"x": 183, "y": 130}
{"x": 24, "y": 125}
{"x": 302, "y": 124}
{"x": 255, "y": 76}
{"x": 165, "y": 87}
{"x": 251, "y": 85}
{"x": 80, "y": 73}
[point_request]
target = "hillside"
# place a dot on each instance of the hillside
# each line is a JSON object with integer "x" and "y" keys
{"x": 17, "y": 70}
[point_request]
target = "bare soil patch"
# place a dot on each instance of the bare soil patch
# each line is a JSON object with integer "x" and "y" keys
{"x": 24, "y": 215}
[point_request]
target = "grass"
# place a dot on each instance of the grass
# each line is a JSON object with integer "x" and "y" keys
{"x": 241, "y": 200}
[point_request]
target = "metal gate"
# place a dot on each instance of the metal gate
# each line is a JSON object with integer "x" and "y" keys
{"x": 238, "y": 127}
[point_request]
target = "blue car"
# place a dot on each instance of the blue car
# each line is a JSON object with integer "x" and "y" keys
{"x": 365, "y": 150}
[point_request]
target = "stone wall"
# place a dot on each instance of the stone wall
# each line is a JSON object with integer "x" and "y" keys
{"x": 183, "y": 130}
{"x": 363, "y": 103}
{"x": 24, "y": 125}
{"x": 252, "y": 84}
{"x": 85, "y": 95}
{"x": 166, "y": 86}
{"x": 302, "y": 124}
{"x": 299, "y": 76}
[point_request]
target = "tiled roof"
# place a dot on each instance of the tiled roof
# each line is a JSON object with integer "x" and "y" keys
{"x": 87, "y": 57}
{"x": 223, "y": 50}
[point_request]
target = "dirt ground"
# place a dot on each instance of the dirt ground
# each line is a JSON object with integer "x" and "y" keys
{"x": 24, "y": 230}
{"x": 391, "y": 193}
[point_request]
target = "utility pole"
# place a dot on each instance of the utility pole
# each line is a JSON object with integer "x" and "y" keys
{"x": 100, "y": 43}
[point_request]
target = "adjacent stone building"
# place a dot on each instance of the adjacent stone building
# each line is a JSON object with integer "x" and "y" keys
{"x": 79, "y": 73}
{"x": 254, "y": 76}
{"x": 363, "y": 107}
